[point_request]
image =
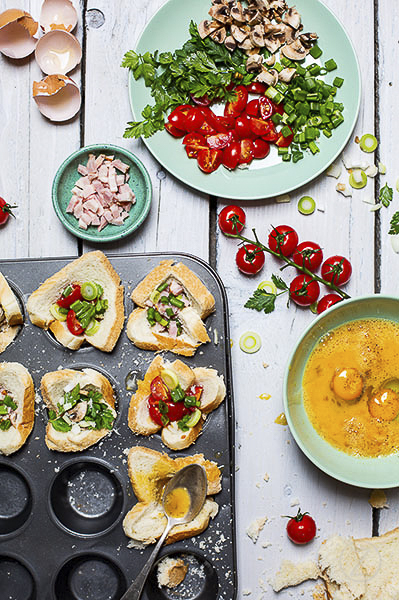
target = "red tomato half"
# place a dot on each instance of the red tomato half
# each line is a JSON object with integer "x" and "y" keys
{"x": 159, "y": 390}
{"x": 194, "y": 139}
{"x": 219, "y": 141}
{"x": 73, "y": 324}
{"x": 259, "y": 127}
{"x": 272, "y": 135}
{"x": 202, "y": 101}
{"x": 194, "y": 119}
{"x": 173, "y": 130}
{"x": 252, "y": 109}
{"x": 177, "y": 118}
{"x": 304, "y": 290}
{"x": 246, "y": 152}
{"x": 256, "y": 87}
{"x": 327, "y": 301}
{"x": 260, "y": 148}
{"x": 284, "y": 142}
{"x": 242, "y": 128}
{"x": 231, "y": 155}
{"x": 277, "y": 108}
{"x": 231, "y": 219}
{"x": 207, "y": 129}
{"x": 250, "y": 259}
{"x": 283, "y": 239}
{"x": 309, "y": 255}
{"x": 66, "y": 301}
{"x": 209, "y": 160}
{"x": 337, "y": 270}
{"x": 235, "y": 107}
{"x": 265, "y": 108}
{"x": 177, "y": 411}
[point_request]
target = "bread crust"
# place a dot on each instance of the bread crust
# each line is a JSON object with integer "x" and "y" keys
{"x": 16, "y": 380}
{"x": 52, "y": 385}
{"x": 12, "y": 313}
{"x": 97, "y": 267}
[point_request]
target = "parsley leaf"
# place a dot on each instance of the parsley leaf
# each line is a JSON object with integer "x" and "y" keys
{"x": 261, "y": 300}
{"x": 394, "y": 230}
{"x": 279, "y": 283}
{"x": 386, "y": 195}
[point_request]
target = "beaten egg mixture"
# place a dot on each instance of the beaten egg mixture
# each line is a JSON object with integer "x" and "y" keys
{"x": 351, "y": 387}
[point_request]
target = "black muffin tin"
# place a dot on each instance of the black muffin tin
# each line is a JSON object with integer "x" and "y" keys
{"x": 61, "y": 535}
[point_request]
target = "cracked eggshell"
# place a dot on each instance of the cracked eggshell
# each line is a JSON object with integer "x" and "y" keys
{"x": 17, "y": 29}
{"x": 58, "y": 52}
{"x": 57, "y": 97}
{"x": 58, "y": 14}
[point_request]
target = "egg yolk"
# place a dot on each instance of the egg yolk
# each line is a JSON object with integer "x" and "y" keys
{"x": 384, "y": 405}
{"x": 348, "y": 384}
{"x": 177, "y": 503}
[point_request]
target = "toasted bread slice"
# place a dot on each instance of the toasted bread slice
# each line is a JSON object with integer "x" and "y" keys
{"x": 200, "y": 303}
{"x": 10, "y": 314}
{"x": 53, "y": 386}
{"x": 139, "y": 419}
{"x": 149, "y": 471}
{"x": 379, "y": 557}
{"x": 17, "y": 382}
{"x": 341, "y": 568}
{"x": 92, "y": 266}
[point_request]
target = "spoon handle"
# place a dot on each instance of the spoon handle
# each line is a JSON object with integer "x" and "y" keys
{"x": 136, "y": 589}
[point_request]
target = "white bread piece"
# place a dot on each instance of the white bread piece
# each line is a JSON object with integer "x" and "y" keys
{"x": 341, "y": 569}
{"x": 16, "y": 380}
{"x": 379, "y": 557}
{"x": 139, "y": 419}
{"x": 52, "y": 388}
{"x": 295, "y": 573}
{"x": 149, "y": 471}
{"x": 10, "y": 314}
{"x": 171, "y": 572}
{"x": 92, "y": 266}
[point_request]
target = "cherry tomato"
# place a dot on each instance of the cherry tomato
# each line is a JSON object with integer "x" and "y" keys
{"x": 194, "y": 119}
{"x": 327, "y": 301}
{"x": 246, "y": 152}
{"x": 159, "y": 390}
{"x": 242, "y": 128}
{"x": 200, "y": 101}
{"x": 73, "y": 324}
{"x": 283, "y": 239}
{"x": 195, "y": 390}
{"x": 235, "y": 107}
{"x": 5, "y": 211}
{"x": 219, "y": 141}
{"x": 277, "y": 108}
{"x": 153, "y": 409}
{"x": 66, "y": 301}
{"x": 337, "y": 270}
{"x": 231, "y": 155}
{"x": 256, "y": 87}
{"x": 284, "y": 142}
{"x": 173, "y": 130}
{"x": 231, "y": 219}
{"x": 207, "y": 129}
{"x": 209, "y": 160}
{"x": 225, "y": 123}
{"x": 170, "y": 410}
{"x": 304, "y": 290}
{"x": 261, "y": 148}
{"x": 309, "y": 255}
{"x": 265, "y": 108}
{"x": 301, "y": 529}
{"x": 259, "y": 127}
{"x": 177, "y": 118}
{"x": 250, "y": 259}
{"x": 194, "y": 139}
{"x": 272, "y": 135}
{"x": 177, "y": 410}
{"x": 252, "y": 109}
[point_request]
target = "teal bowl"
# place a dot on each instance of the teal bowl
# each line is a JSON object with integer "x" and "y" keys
{"x": 379, "y": 472}
{"x": 65, "y": 180}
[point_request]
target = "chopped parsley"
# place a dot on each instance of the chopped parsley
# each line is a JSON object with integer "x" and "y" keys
{"x": 98, "y": 414}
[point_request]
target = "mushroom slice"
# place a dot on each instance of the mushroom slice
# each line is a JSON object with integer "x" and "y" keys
{"x": 230, "y": 43}
{"x": 279, "y": 7}
{"x": 78, "y": 412}
{"x": 58, "y": 52}
{"x": 263, "y": 4}
{"x": 308, "y": 39}
{"x": 57, "y": 97}
{"x": 17, "y": 29}
{"x": 270, "y": 61}
{"x": 206, "y": 27}
{"x": 273, "y": 43}
{"x": 292, "y": 18}
{"x": 237, "y": 13}
{"x": 295, "y": 51}
{"x": 286, "y": 74}
{"x": 219, "y": 35}
{"x": 253, "y": 16}
{"x": 267, "y": 77}
{"x": 221, "y": 13}
{"x": 238, "y": 34}
{"x": 256, "y": 36}
{"x": 246, "y": 45}
{"x": 58, "y": 14}
{"x": 254, "y": 63}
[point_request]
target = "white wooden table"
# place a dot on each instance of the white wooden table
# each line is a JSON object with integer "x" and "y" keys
{"x": 31, "y": 149}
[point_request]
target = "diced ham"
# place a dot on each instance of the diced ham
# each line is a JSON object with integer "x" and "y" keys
{"x": 85, "y": 217}
{"x": 124, "y": 215}
{"x": 103, "y": 223}
{"x": 175, "y": 288}
{"x": 120, "y": 180}
{"x": 98, "y": 186}
{"x": 112, "y": 180}
{"x": 172, "y": 329}
{"x": 82, "y": 170}
{"x": 78, "y": 210}
{"x": 77, "y": 191}
{"x": 92, "y": 204}
{"x": 99, "y": 160}
{"x": 121, "y": 166}
{"x": 82, "y": 182}
{"x": 91, "y": 164}
{"x": 108, "y": 215}
{"x": 72, "y": 204}
{"x": 157, "y": 328}
{"x": 88, "y": 190}
{"x": 115, "y": 210}
{"x": 117, "y": 221}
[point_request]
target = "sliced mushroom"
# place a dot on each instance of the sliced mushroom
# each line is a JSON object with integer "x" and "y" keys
{"x": 219, "y": 35}
{"x": 257, "y": 37}
{"x": 78, "y": 412}
{"x": 279, "y": 7}
{"x": 308, "y": 39}
{"x": 290, "y": 34}
{"x": 295, "y": 51}
{"x": 206, "y": 27}
{"x": 230, "y": 43}
{"x": 273, "y": 43}
{"x": 237, "y": 12}
{"x": 292, "y": 18}
{"x": 270, "y": 61}
{"x": 221, "y": 13}
{"x": 254, "y": 63}
{"x": 246, "y": 45}
{"x": 238, "y": 34}
{"x": 13, "y": 416}
{"x": 267, "y": 77}
{"x": 286, "y": 74}
{"x": 2, "y": 315}
{"x": 252, "y": 16}
{"x": 263, "y": 4}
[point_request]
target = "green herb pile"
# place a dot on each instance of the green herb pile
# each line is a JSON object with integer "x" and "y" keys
{"x": 98, "y": 411}
{"x": 6, "y": 402}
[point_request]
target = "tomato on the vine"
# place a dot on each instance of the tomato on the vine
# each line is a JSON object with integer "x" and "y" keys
{"x": 283, "y": 239}
{"x": 304, "y": 290}
{"x": 231, "y": 219}
{"x": 5, "y": 211}
{"x": 250, "y": 259}
{"x": 327, "y": 301}
{"x": 336, "y": 270}
{"x": 301, "y": 529}
{"x": 309, "y": 255}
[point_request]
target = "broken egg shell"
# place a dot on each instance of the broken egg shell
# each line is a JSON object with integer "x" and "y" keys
{"x": 58, "y": 14}
{"x": 17, "y": 29}
{"x": 57, "y": 97}
{"x": 58, "y": 52}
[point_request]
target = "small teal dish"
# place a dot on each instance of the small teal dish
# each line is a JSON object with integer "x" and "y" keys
{"x": 65, "y": 180}
{"x": 373, "y": 473}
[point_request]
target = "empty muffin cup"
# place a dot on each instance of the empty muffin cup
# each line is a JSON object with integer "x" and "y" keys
{"x": 15, "y": 499}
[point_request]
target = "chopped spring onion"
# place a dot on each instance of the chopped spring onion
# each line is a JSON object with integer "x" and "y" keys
{"x": 353, "y": 163}
{"x": 334, "y": 170}
{"x": 176, "y": 302}
{"x": 163, "y": 286}
{"x": 170, "y": 378}
{"x": 250, "y": 342}
{"x": 154, "y": 296}
{"x": 89, "y": 290}
{"x": 382, "y": 168}
{"x": 282, "y": 199}
{"x": 342, "y": 189}
{"x": 371, "y": 171}
{"x": 195, "y": 417}
{"x": 58, "y": 312}
{"x": 306, "y": 205}
{"x": 268, "y": 286}
{"x": 376, "y": 207}
{"x": 92, "y": 327}
{"x": 358, "y": 179}
{"x": 368, "y": 142}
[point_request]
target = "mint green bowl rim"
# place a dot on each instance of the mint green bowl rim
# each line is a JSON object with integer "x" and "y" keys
{"x": 332, "y": 472}
{"x": 124, "y": 231}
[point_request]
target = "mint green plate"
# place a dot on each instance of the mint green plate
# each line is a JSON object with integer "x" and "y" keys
{"x": 380, "y": 472}
{"x": 168, "y": 30}
{"x": 65, "y": 180}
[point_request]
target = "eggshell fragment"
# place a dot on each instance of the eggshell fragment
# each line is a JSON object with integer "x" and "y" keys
{"x": 58, "y": 52}
{"x": 17, "y": 29}
{"x": 57, "y": 97}
{"x": 58, "y": 14}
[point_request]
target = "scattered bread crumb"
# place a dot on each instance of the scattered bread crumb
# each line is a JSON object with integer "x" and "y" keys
{"x": 295, "y": 502}
{"x": 378, "y": 499}
{"x": 254, "y": 529}
{"x": 171, "y": 572}
{"x": 246, "y": 592}
{"x": 319, "y": 592}
{"x": 294, "y": 574}
{"x": 266, "y": 544}
{"x": 265, "y": 365}
{"x": 266, "y": 477}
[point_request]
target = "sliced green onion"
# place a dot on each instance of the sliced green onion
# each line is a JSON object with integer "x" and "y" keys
{"x": 316, "y": 51}
{"x": 268, "y": 287}
{"x": 154, "y": 296}
{"x": 250, "y": 342}
{"x": 55, "y": 311}
{"x": 338, "y": 81}
{"x": 358, "y": 179}
{"x": 382, "y": 168}
{"x": 368, "y": 142}
{"x": 330, "y": 65}
{"x": 306, "y": 205}
{"x": 92, "y": 327}
{"x": 170, "y": 378}
{"x": 195, "y": 417}
{"x": 176, "y": 302}
{"x": 89, "y": 290}
{"x": 67, "y": 291}
{"x": 163, "y": 286}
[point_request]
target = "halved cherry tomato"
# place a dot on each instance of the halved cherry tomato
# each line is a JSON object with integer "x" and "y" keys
{"x": 261, "y": 148}
{"x": 272, "y": 135}
{"x": 283, "y": 239}
{"x": 194, "y": 119}
{"x": 231, "y": 219}
{"x": 256, "y": 87}
{"x": 159, "y": 390}
{"x": 284, "y": 142}
{"x": 277, "y": 108}
{"x": 209, "y": 160}
{"x": 200, "y": 101}
{"x": 173, "y": 130}
{"x": 195, "y": 390}
{"x": 259, "y": 127}
{"x": 242, "y": 128}
{"x": 192, "y": 151}
{"x": 73, "y": 324}
{"x": 235, "y": 107}
{"x": 327, "y": 301}
{"x": 252, "y": 109}
{"x": 219, "y": 141}
{"x": 177, "y": 411}
{"x": 246, "y": 152}
{"x": 336, "y": 269}
{"x": 207, "y": 129}
{"x": 177, "y": 118}
{"x": 304, "y": 290}
{"x": 194, "y": 139}
{"x": 66, "y": 301}
{"x": 231, "y": 155}
{"x": 250, "y": 259}
{"x": 265, "y": 108}
{"x": 309, "y": 255}
{"x": 172, "y": 411}
{"x": 225, "y": 123}
{"x": 153, "y": 409}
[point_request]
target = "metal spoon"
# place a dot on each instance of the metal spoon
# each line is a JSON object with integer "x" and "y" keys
{"x": 193, "y": 479}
